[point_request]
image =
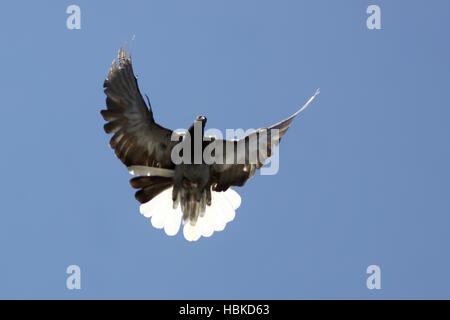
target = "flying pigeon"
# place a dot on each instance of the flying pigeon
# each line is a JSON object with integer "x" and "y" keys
{"x": 195, "y": 191}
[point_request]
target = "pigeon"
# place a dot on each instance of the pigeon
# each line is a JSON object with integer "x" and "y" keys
{"x": 181, "y": 177}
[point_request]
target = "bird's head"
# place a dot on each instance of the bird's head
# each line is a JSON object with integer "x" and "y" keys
{"x": 200, "y": 123}
{"x": 202, "y": 119}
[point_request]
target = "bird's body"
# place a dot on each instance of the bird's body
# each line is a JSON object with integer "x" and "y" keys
{"x": 196, "y": 189}
{"x": 192, "y": 189}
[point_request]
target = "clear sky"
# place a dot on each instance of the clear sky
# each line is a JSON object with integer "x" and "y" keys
{"x": 364, "y": 172}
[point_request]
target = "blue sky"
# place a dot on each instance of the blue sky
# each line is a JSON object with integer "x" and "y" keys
{"x": 363, "y": 174}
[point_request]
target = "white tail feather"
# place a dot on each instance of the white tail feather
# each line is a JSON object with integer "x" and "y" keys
{"x": 173, "y": 222}
{"x": 192, "y": 233}
{"x": 233, "y": 197}
{"x": 217, "y": 215}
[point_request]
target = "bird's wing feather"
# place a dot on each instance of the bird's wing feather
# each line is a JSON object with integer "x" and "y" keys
{"x": 138, "y": 139}
{"x": 250, "y": 153}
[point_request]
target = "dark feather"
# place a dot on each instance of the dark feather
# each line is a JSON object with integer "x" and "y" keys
{"x": 146, "y": 181}
{"x": 110, "y": 115}
{"x": 114, "y": 126}
{"x": 236, "y": 174}
{"x": 150, "y": 187}
{"x": 137, "y": 138}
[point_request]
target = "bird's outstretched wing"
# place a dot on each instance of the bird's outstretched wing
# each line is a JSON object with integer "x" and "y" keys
{"x": 249, "y": 153}
{"x": 138, "y": 140}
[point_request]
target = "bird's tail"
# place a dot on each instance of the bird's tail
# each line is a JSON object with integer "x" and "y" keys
{"x": 164, "y": 216}
{"x": 156, "y": 195}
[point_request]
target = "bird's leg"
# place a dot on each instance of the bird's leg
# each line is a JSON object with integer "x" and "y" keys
{"x": 177, "y": 181}
{"x": 175, "y": 197}
{"x": 202, "y": 188}
{"x": 208, "y": 194}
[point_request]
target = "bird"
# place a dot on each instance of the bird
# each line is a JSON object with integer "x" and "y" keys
{"x": 176, "y": 183}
